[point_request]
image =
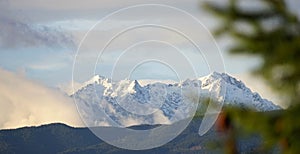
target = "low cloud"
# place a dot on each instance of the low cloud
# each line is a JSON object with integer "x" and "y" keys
{"x": 25, "y": 103}
{"x": 160, "y": 118}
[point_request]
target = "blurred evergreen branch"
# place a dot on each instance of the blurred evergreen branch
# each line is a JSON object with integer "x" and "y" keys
{"x": 272, "y": 32}
{"x": 279, "y": 129}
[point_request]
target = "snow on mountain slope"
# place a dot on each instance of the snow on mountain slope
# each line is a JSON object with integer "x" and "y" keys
{"x": 125, "y": 103}
{"x": 237, "y": 94}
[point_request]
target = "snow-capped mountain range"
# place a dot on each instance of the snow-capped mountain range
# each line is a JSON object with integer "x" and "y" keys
{"x": 102, "y": 102}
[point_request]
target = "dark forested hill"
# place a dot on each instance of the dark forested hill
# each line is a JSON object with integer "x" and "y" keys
{"x": 60, "y": 138}
{"x": 50, "y": 138}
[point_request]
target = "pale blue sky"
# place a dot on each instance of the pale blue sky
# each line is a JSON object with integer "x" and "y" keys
{"x": 39, "y": 39}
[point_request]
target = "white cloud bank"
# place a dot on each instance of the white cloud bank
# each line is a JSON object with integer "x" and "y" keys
{"x": 25, "y": 103}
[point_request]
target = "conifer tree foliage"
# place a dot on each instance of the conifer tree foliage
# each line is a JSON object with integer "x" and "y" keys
{"x": 270, "y": 31}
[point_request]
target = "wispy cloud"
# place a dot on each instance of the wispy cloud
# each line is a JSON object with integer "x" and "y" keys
{"x": 18, "y": 32}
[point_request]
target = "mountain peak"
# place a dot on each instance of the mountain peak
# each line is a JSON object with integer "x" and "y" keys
{"x": 217, "y": 75}
{"x": 228, "y": 79}
{"x": 137, "y": 85}
{"x": 214, "y": 73}
{"x": 134, "y": 87}
{"x": 96, "y": 79}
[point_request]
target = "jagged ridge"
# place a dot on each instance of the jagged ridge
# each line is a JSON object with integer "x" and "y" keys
{"x": 128, "y": 103}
